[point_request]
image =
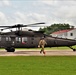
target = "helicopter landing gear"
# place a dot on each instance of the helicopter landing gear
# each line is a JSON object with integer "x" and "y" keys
{"x": 72, "y": 48}
{"x": 10, "y": 49}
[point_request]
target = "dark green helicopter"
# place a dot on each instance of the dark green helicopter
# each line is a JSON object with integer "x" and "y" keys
{"x": 30, "y": 38}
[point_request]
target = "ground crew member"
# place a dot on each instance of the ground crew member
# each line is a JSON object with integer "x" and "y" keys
{"x": 42, "y": 43}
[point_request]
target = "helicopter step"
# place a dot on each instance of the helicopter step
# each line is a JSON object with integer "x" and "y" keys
{"x": 10, "y": 49}
{"x": 72, "y": 48}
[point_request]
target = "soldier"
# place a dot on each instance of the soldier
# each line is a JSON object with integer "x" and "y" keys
{"x": 42, "y": 43}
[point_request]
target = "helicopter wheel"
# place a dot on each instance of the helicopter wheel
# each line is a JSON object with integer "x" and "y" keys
{"x": 10, "y": 49}
{"x": 72, "y": 48}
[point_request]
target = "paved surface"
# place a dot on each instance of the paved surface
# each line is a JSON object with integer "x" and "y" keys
{"x": 37, "y": 53}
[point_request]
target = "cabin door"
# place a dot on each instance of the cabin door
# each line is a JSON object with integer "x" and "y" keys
{"x": 34, "y": 41}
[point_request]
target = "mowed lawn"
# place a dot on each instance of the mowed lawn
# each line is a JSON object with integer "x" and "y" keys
{"x": 48, "y": 48}
{"x": 38, "y": 65}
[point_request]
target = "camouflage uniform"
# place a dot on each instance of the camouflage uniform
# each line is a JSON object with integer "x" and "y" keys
{"x": 42, "y": 43}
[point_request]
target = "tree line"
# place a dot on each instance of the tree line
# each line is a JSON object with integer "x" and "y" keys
{"x": 55, "y": 27}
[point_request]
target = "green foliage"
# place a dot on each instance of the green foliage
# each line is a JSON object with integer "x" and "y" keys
{"x": 33, "y": 65}
{"x": 55, "y": 27}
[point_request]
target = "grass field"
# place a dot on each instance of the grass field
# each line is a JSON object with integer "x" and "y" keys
{"x": 42, "y": 65}
{"x": 47, "y": 48}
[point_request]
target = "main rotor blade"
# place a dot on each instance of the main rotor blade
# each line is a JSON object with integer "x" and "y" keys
{"x": 28, "y": 25}
{"x": 4, "y": 26}
{"x": 20, "y": 25}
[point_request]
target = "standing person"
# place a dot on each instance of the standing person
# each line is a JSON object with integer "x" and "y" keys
{"x": 42, "y": 44}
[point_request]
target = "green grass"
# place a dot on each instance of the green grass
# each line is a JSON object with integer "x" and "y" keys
{"x": 47, "y": 48}
{"x": 42, "y": 65}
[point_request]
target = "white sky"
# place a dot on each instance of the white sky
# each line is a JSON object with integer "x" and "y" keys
{"x": 31, "y": 11}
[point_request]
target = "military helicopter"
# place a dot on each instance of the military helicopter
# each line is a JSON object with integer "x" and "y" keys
{"x": 30, "y": 38}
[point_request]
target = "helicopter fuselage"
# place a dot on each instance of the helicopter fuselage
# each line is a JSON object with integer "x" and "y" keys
{"x": 13, "y": 41}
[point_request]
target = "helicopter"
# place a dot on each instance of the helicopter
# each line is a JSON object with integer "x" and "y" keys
{"x": 30, "y": 38}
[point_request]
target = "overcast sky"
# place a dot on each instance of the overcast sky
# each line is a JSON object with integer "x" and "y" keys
{"x": 32, "y": 11}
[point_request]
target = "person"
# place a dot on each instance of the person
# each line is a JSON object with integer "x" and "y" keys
{"x": 42, "y": 44}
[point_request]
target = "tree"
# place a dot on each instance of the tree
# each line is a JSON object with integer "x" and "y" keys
{"x": 55, "y": 27}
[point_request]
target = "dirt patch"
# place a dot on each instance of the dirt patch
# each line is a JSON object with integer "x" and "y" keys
{"x": 37, "y": 53}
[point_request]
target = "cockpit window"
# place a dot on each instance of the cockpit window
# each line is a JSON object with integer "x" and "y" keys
{"x": 8, "y": 39}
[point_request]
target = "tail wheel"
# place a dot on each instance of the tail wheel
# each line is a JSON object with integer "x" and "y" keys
{"x": 72, "y": 48}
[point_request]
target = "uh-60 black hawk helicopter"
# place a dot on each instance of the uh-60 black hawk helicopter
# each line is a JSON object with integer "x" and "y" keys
{"x": 29, "y": 39}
